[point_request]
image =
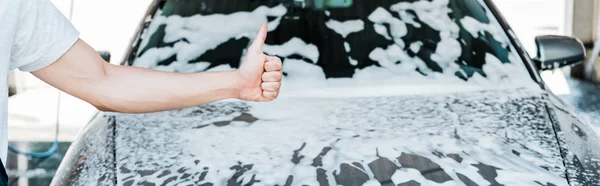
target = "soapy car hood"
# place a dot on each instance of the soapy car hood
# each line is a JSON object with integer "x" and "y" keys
{"x": 482, "y": 138}
{"x": 494, "y": 137}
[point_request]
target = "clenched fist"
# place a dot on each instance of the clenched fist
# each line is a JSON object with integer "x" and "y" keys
{"x": 260, "y": 74}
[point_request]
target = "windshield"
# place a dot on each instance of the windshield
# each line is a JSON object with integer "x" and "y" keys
{"x": 393, "y": 41}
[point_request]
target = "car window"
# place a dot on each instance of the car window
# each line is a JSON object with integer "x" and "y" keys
{"x": 398, "y": 40}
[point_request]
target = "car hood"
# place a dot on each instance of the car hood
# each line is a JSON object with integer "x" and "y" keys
{"x": 475, "y": 138}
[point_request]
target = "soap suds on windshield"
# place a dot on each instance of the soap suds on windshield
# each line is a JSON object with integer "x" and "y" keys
{"x": 294, "y": 46}
{"x": 202, "y": 34}
{"x": 395, "y": 64}
{"x": 345, "y": 28}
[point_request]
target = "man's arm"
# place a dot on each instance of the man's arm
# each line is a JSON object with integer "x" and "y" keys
{"x": 82, "y": 73}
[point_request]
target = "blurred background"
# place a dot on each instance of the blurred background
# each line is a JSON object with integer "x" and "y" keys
{"x": 108, "y": 25}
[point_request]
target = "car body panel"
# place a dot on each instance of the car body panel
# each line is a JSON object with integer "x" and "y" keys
{"x": 510, "y": 136}
{"x": 491, "y": 137}
{"x": 90, "y": 159}
{"x": 579, "y": 144}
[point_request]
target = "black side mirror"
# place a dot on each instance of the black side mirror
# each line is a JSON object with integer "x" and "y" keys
{"x": 105, "y": 55}
{"x": 558, "y": 51}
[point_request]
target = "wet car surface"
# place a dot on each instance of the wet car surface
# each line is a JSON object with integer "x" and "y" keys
{"x": 393, "y": 140}
{"x": 381, "y": 93}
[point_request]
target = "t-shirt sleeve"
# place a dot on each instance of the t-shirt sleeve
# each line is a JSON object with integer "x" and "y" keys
{"x": 44, "y": 34}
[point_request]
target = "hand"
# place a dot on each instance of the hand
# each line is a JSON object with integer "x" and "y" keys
{"x": 260, "y": 75}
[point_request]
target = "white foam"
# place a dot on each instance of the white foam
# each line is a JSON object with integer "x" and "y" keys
{"x": 507, "y": 73}
{"x": 381, "y": 30}
{"x": 409, "y": 19}
{"x": 390, "y": 89}
{"x": 301, "y": 74}
{"x": 397, "y": 28}
{"x": 472, "y": 25}
{"x": 352, "y": 61}
{"x": 206, "y": 32}
{"x": 294, "y": 46}
{"x": 447, "y": 52}
{"x": 347, "y": 27}
{"x": 396, "y": 65}
{"x": 157, "y": 21}
{"x": 397, "y": 61}
{"x": 372, "y": 183}
{"x": 475, "y": 27}
{"x": 416, "y": 46}
{"x": 434, "y": 13}
{"x": 313, "y": 122}
{"x": 152, "y": 56}
{"x": 347, "y": 46}
{"x": 270, "y": 153}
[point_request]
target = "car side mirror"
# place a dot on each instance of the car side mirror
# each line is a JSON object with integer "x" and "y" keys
{"x": 558, "y": 51}
{"x": 105, "y": 55}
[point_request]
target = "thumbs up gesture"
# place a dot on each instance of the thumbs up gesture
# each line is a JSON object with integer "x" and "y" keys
{"x": 261, "y": 74}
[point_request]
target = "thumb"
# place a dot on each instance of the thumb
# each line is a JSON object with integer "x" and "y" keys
{"x": 259, "y": 41}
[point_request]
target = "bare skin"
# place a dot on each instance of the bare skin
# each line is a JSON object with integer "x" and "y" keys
{"x": 81, "y": 72}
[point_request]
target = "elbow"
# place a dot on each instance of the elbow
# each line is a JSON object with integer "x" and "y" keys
{"x": 102, "y": 107}
{"x": 100, "y": 102}
{"x": 99, "y": 97}
{"x": 111, "y": 104}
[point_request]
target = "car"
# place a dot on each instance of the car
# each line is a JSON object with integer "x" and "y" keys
{"x": 376, "y": 92}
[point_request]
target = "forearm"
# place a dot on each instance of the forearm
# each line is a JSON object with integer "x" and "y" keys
{"x": 82, "y": 73}
{"x": 138, "y": 90}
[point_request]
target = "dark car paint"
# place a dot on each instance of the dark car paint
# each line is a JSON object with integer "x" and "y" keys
{"x": 178, "y": 165}
{"x": 578, "y": 143}
{"x": 517, "y": 112}
{"x": 91, "y": 156}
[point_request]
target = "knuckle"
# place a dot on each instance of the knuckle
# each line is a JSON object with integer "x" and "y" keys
{"x": 271, "y": 76}
{"x": 272, "y": 95}
{"x": 277, "y": 66}
{"x": 267, "y": 86}
{"x": 269, "y": 66}
{"x": 276, "y": 77}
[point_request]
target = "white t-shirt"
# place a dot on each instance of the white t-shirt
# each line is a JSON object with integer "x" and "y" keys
{"x": 33, "y": 34}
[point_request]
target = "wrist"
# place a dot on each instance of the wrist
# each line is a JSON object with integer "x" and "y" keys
{"x": 236, "y": 84}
